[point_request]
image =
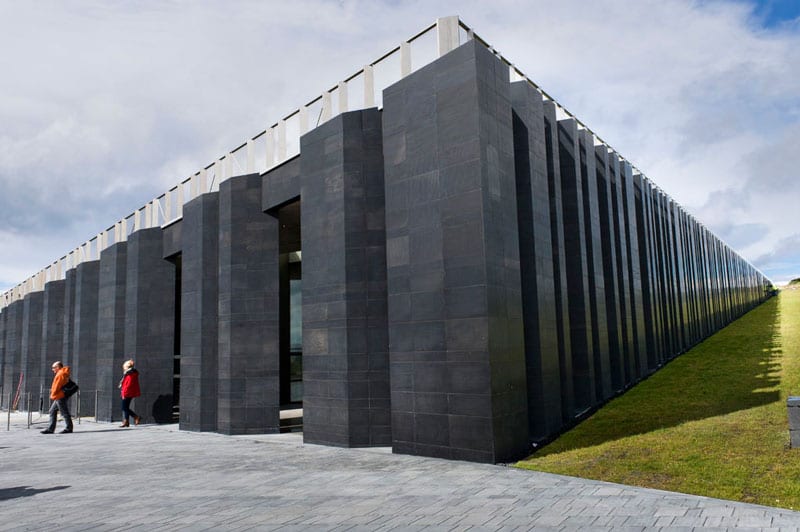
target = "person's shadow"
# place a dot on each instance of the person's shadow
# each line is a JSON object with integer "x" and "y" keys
{"x": 24, "y": 491}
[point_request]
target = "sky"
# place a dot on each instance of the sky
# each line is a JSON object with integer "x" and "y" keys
{"x": 104, "y": 105}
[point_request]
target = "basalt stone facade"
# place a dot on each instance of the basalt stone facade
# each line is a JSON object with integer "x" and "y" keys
{"x": 459, "y": 274}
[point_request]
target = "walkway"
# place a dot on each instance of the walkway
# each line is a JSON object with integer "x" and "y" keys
{"x": 158, "y": 478}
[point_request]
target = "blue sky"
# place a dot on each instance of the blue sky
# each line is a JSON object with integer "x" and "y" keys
{"x": 774, "y": 13}
{"x": 105, "y": 105}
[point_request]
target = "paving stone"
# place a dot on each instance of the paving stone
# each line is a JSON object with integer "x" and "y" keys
{"x": 179, "y": 480}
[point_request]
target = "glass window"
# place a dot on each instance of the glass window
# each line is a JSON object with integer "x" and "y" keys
{"x": 295, "y": 316}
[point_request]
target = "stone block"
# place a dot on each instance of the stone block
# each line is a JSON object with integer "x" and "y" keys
{"x": 793, "y": 410}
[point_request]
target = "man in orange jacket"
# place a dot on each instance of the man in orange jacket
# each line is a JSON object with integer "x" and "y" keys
{"x": 59, "y": 404}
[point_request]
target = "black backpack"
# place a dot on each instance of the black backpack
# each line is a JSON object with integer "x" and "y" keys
{"x": 69, "y": 389}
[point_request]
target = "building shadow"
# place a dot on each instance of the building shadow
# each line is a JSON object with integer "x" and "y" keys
{"x": 25, "y": 491}
{"x": 736, "y": 369}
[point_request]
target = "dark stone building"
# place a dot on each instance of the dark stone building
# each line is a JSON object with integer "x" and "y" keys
{"x": 459, "y": 274}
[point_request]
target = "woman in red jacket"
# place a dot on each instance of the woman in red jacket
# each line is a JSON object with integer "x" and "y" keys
{"x": 129, "y": 386}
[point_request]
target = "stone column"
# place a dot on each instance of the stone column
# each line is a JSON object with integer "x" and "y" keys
{"x": 13, "y": 358}
{"x": 622, "y": 251}
{"x": 651, "y": 317}
{"x": 199, "y": 313}
{"x": 249, "y": 388}
{"x": 31, "y": 348}
{"x": 536, "y": 263}
{"x": 608, "y": 241}
{"x": 150, "y": 323}
{"x": 634, "y": 269}
{"x": 84, "y": 342}
{"x": 345, "y": 342}
{"x": 3, "y": 316}
{"x": 559, "y": 262}
{"x": 575, "y": 240}
{"x": 594, "y": 264}
{"x": 111, "y": 330}
{"x": 69, "y": 316}
{"x": 52, "y": 333}
{"x": 457, "y": 357}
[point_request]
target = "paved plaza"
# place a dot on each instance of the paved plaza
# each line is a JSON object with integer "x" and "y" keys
{"x": 155, "y": 477}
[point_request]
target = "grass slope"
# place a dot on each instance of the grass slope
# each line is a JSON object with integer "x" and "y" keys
{"x": 712, "y": 422}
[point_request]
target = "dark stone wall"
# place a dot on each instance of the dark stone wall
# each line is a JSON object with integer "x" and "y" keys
{"x": 281, "y": 185}
{"x": 173, "y": 238}
{"x": 454, "y": 298}
{"x": 111, "y": 330}
{"x": 13, "y": 340}
{"x": 84, "y": 342}
{"x": 345, "y": 341}
{"x": 536, "y": 262}
{"x": 199, "y": 313}
{"x": 52, "y": 333}
{"x": 150, "y": 323}
{"x": 31, "y": 347}
{"x": 249, "y": 399}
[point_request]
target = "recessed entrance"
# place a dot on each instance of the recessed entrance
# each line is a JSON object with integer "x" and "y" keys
{"x": 177, "y": 260}
{"x": 291, "y": 319}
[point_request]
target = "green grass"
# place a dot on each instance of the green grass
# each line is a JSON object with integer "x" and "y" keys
{"x": 712, "y": 422}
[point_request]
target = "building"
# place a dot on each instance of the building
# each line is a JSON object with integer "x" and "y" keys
{"x": 460, "y": 270}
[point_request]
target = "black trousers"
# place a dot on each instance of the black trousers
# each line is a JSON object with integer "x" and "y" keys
{"x": 126, "y": 409}
{"x": 60, "y": 405}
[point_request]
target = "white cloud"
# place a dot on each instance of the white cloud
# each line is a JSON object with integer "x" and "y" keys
{"x": 106, "y": 105}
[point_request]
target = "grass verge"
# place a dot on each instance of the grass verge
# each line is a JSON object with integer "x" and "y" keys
{"x": 712, "y": 422}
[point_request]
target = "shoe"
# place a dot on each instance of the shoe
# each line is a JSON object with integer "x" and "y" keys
{"x": 66, "y": 431}
{"x": 124, "y": 424}
{"x": 47, "y": 431}
{"x": 137, "y": 420}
